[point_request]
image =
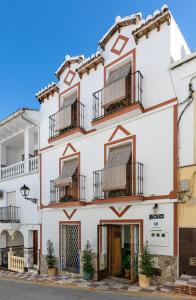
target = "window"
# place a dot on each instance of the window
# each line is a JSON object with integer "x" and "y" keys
{"x": 67, "y": 181}
{"x": 117, "y": 88}
{"x": 117, "y": 174}
{"x": 67, "y": 115}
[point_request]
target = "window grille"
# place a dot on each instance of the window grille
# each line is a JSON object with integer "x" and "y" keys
{"x": 70, "y": 256}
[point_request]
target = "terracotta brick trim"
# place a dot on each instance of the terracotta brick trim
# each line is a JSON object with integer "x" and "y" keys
{"x": 120, "y": 214}
{"x": 69, "y": 216}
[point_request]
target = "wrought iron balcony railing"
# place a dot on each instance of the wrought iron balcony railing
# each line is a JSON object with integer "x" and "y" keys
{"x": 132, "y": 92}
{"x": 75, "y": 192}
{"x": 77, "y": 120}
{"x": 135, "y": 185}
{"x": 9, "y": 214}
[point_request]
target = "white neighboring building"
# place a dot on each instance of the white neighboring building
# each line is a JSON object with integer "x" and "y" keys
{"x": 183, "y": 74}
{"x": 108, "y": 150}
{"x": 19, "y": 163}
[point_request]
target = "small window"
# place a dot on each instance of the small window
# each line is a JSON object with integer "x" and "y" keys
{"x": 163, "y": 235}
{"x": 152, "y": 234}
{"x": 158, "y": 235}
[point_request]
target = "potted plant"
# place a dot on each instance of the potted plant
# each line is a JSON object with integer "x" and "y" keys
{"x": 126, "y": 266}
{"x": 87, "y": 262}
{"x": 50, "y": 259}
{"x": 146, "y": 267}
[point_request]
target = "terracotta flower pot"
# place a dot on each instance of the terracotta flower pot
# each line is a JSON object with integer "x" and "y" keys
{"x": 144, "y": 281}
{"x": 51, "y": 272}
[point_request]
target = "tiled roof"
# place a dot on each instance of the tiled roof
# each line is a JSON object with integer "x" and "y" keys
{"x": 48, "y": 90}
{"x": 89, "y": 63}
{"x": 119, "y": 22}
{"x": 152, "y": 22}
{"x": 68, "y": 60}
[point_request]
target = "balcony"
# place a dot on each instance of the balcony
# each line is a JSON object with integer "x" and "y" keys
{"x": 134, "y": 185}
{"x": 13, "y": 170}
{"x": 9, "y": 214}
{"x": 68, "y": 194}
{"x": 118, "y": 101}
{"x": 18, "y": 169}
{"x": 71, "y": 123}
{"x": 33, "y": 164}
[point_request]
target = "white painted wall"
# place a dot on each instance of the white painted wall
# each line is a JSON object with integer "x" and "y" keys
{"x": 181, "y": 77}
{"x": 178, "y": 44}
{"x": 154, "y": 140}
{"x": 103, "y": 212}
{"x": 29, "y": 212}
{"x": 154, "y": 148}
{"x": 153, "y": 56}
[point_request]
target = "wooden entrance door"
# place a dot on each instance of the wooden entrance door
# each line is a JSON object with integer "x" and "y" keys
{"x": 35, "y": 247}
{"x": 115, "y": 251}
{"x": 187, "y": 251}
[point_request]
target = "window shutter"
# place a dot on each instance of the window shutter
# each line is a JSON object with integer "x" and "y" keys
{"x": 115, "y": 88}
{"x": 68, "y": 170}
{"x": 114, "y": 174}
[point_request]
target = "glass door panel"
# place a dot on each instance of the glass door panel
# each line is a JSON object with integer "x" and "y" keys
{"x": 102, "y": 251}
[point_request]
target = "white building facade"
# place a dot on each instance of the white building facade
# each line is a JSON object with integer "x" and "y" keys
{"x": 19, "y": 216}
{"x": 108, "y": 151}
{"x": 183, "y": 74}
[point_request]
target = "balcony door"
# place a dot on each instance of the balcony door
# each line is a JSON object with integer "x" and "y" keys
{"x": 11, "y": 199}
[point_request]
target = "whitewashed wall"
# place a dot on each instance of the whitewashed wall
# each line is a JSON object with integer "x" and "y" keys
{"x": 154, "y": 148}
{"x": 154, "y": 138}
{"x": 181, "y": 77}
{"x": 29, "y": 212}
{"x": 103, "y": 212}
{"x": 153, "y": 56}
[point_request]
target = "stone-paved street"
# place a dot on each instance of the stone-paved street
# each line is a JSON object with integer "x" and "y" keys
{"x": 15, "y": 290}
{"x": 103, "y": 285}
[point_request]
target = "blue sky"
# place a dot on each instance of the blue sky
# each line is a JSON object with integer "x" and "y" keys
{"x": 35, "y": 36}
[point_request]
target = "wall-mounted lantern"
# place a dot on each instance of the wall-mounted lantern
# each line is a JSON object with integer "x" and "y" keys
{"x": 25, "y": 190}
{"x": 155, "y": 208}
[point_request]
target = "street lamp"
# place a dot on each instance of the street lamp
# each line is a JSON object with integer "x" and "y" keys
{"x": 25, "y": 190}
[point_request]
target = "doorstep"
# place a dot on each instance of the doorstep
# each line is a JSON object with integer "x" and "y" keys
{"x": 103, "y": 285}
{"x": 186, "y": 285}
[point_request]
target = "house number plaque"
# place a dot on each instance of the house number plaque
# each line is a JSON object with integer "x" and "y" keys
{"x": 156, "y": 216}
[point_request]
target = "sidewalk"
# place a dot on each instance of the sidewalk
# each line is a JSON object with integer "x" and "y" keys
{"x": 104, "y": 285}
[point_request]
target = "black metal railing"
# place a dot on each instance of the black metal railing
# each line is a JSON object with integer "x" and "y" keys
{"x": 77, "y": 120}
{"x": 75, "y": 192}
{"x": 136, "y": 184}
{"x": 9, "y": 214}
{"x": 133, "y": 95}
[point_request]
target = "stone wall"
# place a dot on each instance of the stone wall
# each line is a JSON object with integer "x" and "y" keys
{"x": 44, "y": 268}
{"x": 165, "y": 269}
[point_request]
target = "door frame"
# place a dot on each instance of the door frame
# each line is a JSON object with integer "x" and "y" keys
{"x": 35, "y": 247}
{"x": 100, "y": 274}
{"x": 179, "y": 249}
{"x": 78, "y": 223}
